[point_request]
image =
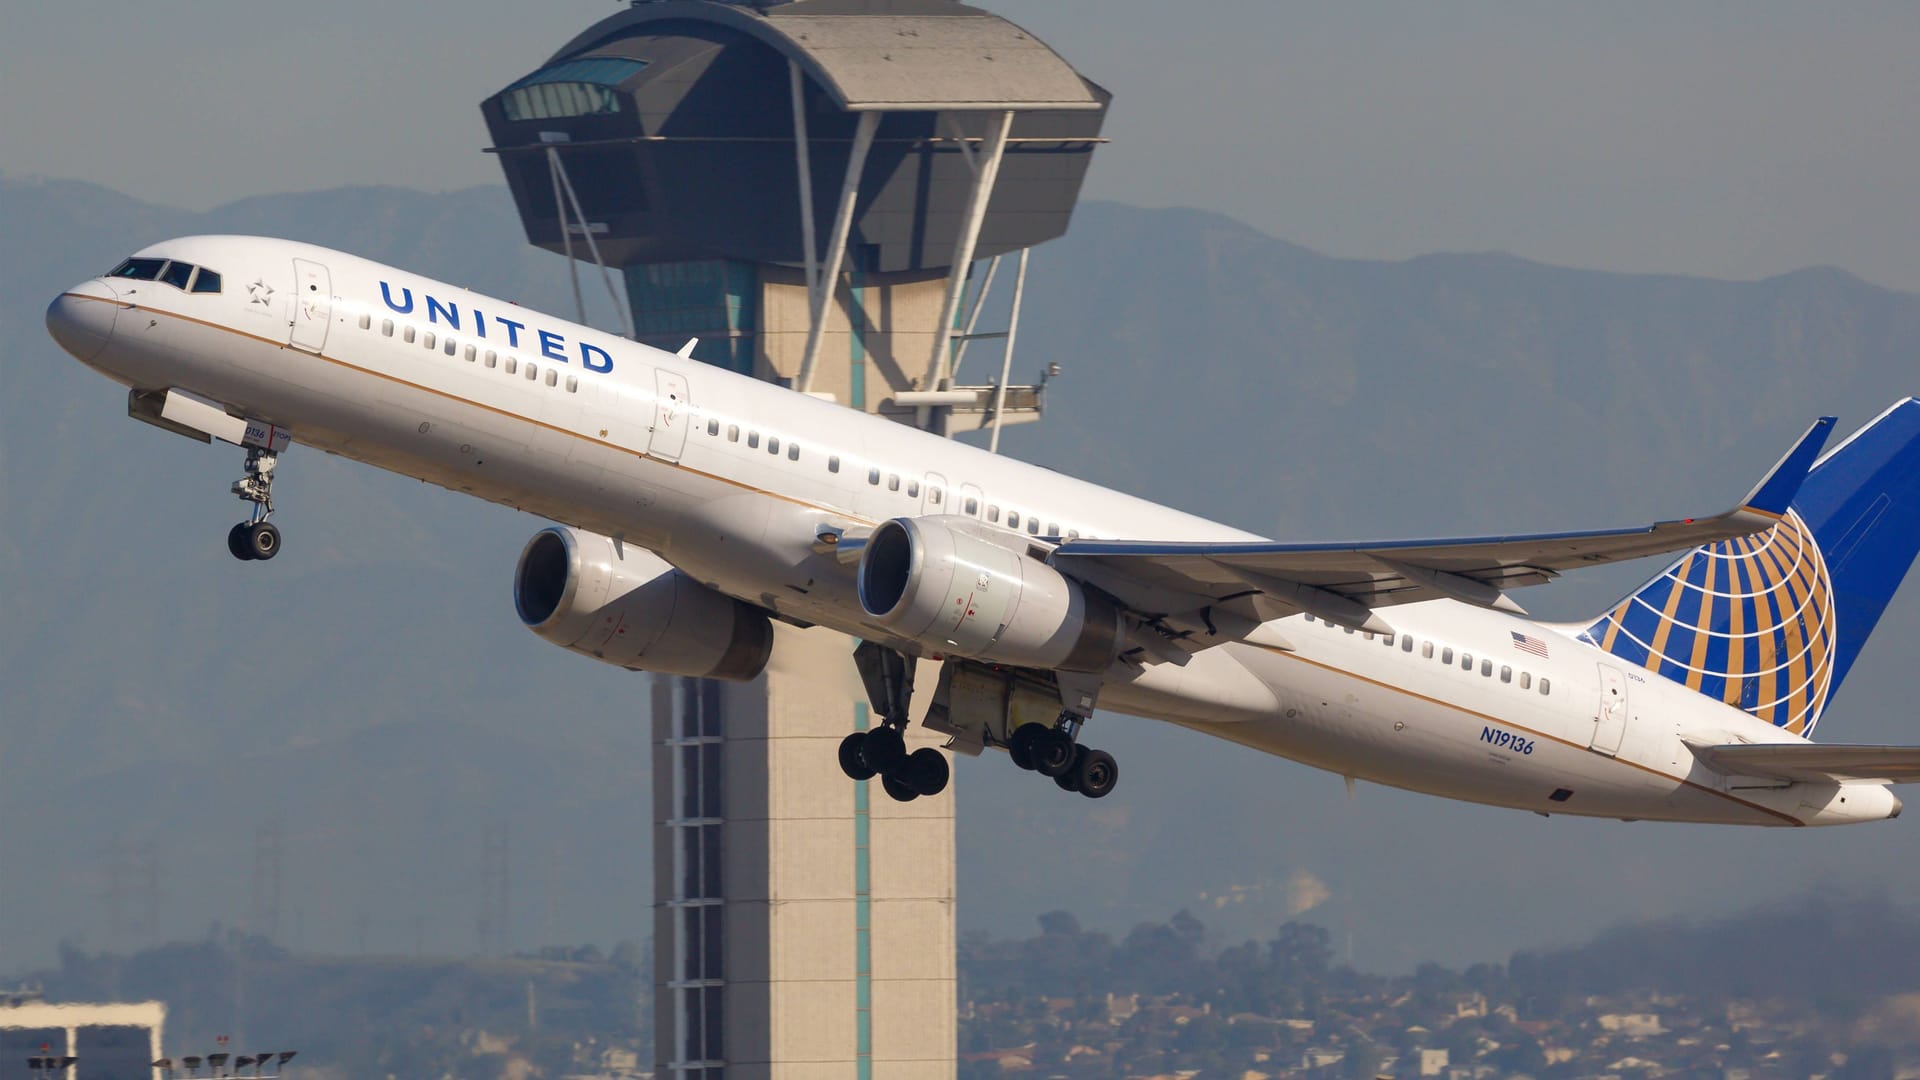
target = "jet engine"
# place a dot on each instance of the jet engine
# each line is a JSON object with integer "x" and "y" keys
{"x": 626, "y": 606}
{"x": 957, "y": 587}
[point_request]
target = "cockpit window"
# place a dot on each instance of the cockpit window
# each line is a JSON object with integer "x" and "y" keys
{"x": 139, "y": 269}
{"x": 177, "y": 274}
{"x": 206, "y": 281}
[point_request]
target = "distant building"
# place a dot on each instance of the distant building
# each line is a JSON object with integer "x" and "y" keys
{"x": 1633, "y": 1025}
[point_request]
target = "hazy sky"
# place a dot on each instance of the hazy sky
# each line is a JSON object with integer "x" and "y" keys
{"x": 1728, "y": 139}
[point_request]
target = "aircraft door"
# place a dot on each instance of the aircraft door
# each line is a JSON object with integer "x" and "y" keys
{"x": 933, "y": 500}
{"x": 312, "y": 305}
{"x": 671, "y": 403}
{"x": 969, "y": 502}
{"x": 1610, "y": 712}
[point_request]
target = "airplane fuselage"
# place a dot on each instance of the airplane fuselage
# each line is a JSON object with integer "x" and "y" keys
{"x": 733, "y": 480}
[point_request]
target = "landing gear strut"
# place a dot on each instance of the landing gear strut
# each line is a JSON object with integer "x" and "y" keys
{"x": 882, "y": 750}
{"x": 1056, "y": 752}
{"x": 256, "y": 537}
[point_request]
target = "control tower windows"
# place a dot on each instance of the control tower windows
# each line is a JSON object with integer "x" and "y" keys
{"x": 139, "y": 269}
{"x": 570, "y": 88}
{"x": 208, "y": 281}
{"x": 177, "y": 274}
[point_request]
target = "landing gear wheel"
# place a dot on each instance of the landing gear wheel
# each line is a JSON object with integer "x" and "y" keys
{"x": 898, "y": 788}
{"x": 926, "y": 770}
{"x": 263, "y": 540}
{"x": 1095, "y": 773}
{"x": 237, "y": 543}
{"x": 852, "y": 760}
{"x": 1070, "y": 780}
{"x": 883, "y": 749}
{"x": 1020, "y": 745}
{"x": 1052, "y": 753}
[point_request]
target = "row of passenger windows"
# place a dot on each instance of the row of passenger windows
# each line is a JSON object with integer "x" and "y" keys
{"x": 936, "y": 496}
{"x": 1446, "y": 657}
{"x": 510, "y": 363}
{"x": 183, "y": 276}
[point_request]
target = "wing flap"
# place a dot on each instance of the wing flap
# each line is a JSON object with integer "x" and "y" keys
{"x": 1816, "y": 763}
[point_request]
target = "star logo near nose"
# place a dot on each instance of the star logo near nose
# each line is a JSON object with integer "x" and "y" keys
{"x": 259, "y": 293}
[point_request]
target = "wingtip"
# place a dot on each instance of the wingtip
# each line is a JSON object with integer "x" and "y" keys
{"x": 1773, "y": 495}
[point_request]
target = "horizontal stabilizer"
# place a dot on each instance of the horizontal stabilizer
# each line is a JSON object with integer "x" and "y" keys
{"x": 1816, "y": 763}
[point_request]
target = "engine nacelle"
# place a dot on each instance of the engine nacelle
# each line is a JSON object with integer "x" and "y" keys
{"x": 956, "y": 588}
{"x": 626, "y": 606}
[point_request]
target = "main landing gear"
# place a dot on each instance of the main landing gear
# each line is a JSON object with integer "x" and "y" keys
{"x": 256, "y": 537}
{"x": 1056, "y": 753}
{"x": 882, "y": 750}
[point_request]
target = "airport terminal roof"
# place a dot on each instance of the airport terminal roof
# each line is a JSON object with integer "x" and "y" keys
{"x": 875, "y": 55}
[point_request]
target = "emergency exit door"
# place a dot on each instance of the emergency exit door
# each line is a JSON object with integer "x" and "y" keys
{"x": 312, "y": 305}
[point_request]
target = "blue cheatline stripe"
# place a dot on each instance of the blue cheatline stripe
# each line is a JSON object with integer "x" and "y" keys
{"x": 862, "y": 911}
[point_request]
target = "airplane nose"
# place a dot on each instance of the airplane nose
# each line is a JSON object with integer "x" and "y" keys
{"x": 81, "y": 319}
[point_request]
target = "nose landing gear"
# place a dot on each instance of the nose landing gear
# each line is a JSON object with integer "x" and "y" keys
{"x": 256, "y": 537}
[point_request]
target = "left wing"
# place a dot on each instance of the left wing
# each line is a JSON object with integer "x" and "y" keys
{"x": 1345, "y": 582}
{"x": 1816, "y": 763}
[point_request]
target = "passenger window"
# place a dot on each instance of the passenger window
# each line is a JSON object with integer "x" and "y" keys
{"x": 1053, "y": 529}
{"x": 573, "y": 384}
{"x": 1387, "y": 640}
{"x": 450, "y": 348}
{"x": 1506, "y": 674}
{"x": 366, "y": 322}
{"x": 793, "y": 451}
{"x": 1348, "y": 629}
{"x": 934, "y": 496}
{"x": 533, "y": 372}
{"x": 513, "y": 364}
{"x": 1310, "y": 617}
{"x": 1073, "y": 534}
{"x": 733, "y": 432}
{"x": 493, "y": 358}
{"x": 406, "y": 335}
{"x": 913, "y": 489}
{"x": 873, "y": 477}
{"x": 386, "y": 327}
{"x": 973, "y": 507}
{"x": 1546, "y": 686}
{"x": 1406, "y": 643}
{"x": 773, "y": 444}
{"x": 893, "y": 481}
{"x": 993, "y": 515}
{"x": 1033, "y": 526}
{"x": 470, "y": 353}
{"x": 1486, "y": 669}
{"x": 1446, "y": 656}
{"x": 427, "y": 339}
{"x": 208, "y": 281}
{"x": 1013, "y": 520}
{"x": 139, "y": 269}
{"x": 1466, "y": 661}
{"x": 713, "y": 427}
{"x": 177, "y": 274}
{"x": 833, "y": 463}
{"x": 553, "y": 376}
{"x": 753, "y": 440}
{"x": 1526, "y": 681}
{"x": 1426, "y": 650}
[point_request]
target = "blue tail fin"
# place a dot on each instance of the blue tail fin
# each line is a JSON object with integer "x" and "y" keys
{"x": 1772, "y": 622}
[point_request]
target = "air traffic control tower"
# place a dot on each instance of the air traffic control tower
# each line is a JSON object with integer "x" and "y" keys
{"x": 808, "y": 189}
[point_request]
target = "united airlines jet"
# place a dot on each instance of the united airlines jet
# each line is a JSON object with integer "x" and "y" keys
{"x": 697, "y": 506}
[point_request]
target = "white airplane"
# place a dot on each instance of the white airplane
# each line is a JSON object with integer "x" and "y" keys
{"x": 698, "y": 505}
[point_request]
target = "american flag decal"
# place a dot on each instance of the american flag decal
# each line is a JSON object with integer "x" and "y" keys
{"x": 1527, "y": 643}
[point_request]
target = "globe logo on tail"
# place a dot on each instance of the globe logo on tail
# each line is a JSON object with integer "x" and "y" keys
{"x": 1749, "y": 621}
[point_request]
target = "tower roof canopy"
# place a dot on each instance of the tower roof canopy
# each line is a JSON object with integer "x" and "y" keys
{"x": 904, "y": 57}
